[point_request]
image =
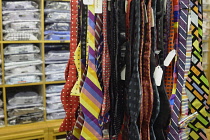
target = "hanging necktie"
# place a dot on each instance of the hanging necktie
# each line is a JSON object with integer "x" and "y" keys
{"x": 161, "y": 123}
{"x": 91, "y": 93}
{"x": 134, "y": 93}
{"x": 147, "y": 94}
{"x": 106, "y": 66}
{"x": 197, "y": 85}
{"x": 184, "y": 130}
{"x": 71, "y": 103}
{"x": 182, "y": 38}
{"x": 168, "y": 78}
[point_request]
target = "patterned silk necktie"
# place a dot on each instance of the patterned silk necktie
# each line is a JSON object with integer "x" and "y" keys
{"x": 197, "y": 85}
{"x": 174, "y": 128}
{"x": 91, "y": 94}
{"x": 71, "y": 103}
{"x": 134, "y": 93}
{"x": 169, "y": 70}
{"x": 147, "y": 95}
{"x": 106, "y": 68}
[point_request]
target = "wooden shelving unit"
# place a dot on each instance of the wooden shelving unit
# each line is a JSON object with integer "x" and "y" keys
{"x": 47, "y": 129}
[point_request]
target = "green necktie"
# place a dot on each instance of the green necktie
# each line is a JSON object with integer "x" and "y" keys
{"x": 197, "y": 86}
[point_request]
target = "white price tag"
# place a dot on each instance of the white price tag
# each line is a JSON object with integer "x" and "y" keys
{"x": 123, "y": 73}
{"x": 98, "y": 6}
{"x": 169, "y": 57}
{"x": 158, "y": 74}
{"x": 126, "y": 6}
{"x": 153, "y": 20}
{"x": 88, "y": 2}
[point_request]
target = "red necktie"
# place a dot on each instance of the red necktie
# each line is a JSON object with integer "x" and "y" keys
{"x": 71, "y": 103}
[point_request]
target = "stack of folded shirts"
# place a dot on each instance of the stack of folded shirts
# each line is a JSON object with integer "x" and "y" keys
{"x": 54, "y": 106}
{"x": 25, "y": 107}
{"x": 21, "y": 20}
{"x": 22, "y": 63}
{"x": 56, "y": 58}
{"x": 57, "y": 20}
{"x": 1, "y": 111}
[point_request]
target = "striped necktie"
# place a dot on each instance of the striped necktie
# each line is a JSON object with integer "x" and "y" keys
{"x": 184, "y": 130}
{"x": 71, "y": 103}
{"x": 174, "y": 129}
{"x": 91, "y": 94}
{"x": 197, "y": 85}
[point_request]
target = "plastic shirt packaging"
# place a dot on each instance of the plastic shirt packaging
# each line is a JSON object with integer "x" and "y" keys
{"x": 1, "y": 103}
{"x": 55, "y": 77}
{"x": 57, "y": 36}
{"x": 58, "y": 27}
{"x": 57, "y": 115}
{"x": 23, "y": 79}
{"x": 22, "y": 26}
{"x": 57, "y": 55}
{"x": 26, "y": 15}
{"x": 55, "y": 106}
{"x": 18, "y": 36}
{"x": 1, "y": 111}
{"x": 20, "y": 49}
{"x": 24, "y": 69}
{"x": 54, "y": 99}
{"x": 54, "y": 88}
{"x": 22, "y": 98}
{"x": 57, "y": 17}
{"x": 11, "y": 65}
{"x": 19, "y": 5}
{"x": 24, "y": 111}
{"x": 57, "y": 6}
{"x": 55, "y": 68}
{"x": 21, "y": 57}
{"x": 29, "y": 118}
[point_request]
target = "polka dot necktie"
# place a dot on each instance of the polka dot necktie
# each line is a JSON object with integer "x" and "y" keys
{"x": 71, "y": 103}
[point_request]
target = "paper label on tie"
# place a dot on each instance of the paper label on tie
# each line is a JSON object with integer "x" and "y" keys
{"x": 158, "y": 74}
{"x": 123, "y": 73}
{"x": 153, "y": 20}
{"x": 88, "y": 2}
{"x": 98, "y": 6}
{"x": 126, "y": 6}
{"x": 169, "y": 57}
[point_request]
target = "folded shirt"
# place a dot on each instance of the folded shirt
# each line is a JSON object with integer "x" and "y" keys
{"x": 19, "y": 5}
{"x": 56, "y": 115}
{"x": 21, "y": 49}
{"x": 58, "y": 27}
{"x": 55, "y": 36}
{"x": 57, "y": 17}
{"x": 22, "y": 98}
{"x": 23, "y": 70}
{"x": 57, "y": 5}
{"x": 22, "y": 26}
{"x": 26, "y": 15}
{"x": 21, "y": 57}
{"x": 24, "y": 111}
{"x": 57, "y": 55}
{"x": 55, "y": 68}
{"x": 18, "y": 36}
{"x": 26, "y": 78}
{"x": 55, "y": 77}
{"x": 54, "y": 88}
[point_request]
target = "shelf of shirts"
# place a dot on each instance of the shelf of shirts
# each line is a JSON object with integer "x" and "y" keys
{"x": 46, "y": 129}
